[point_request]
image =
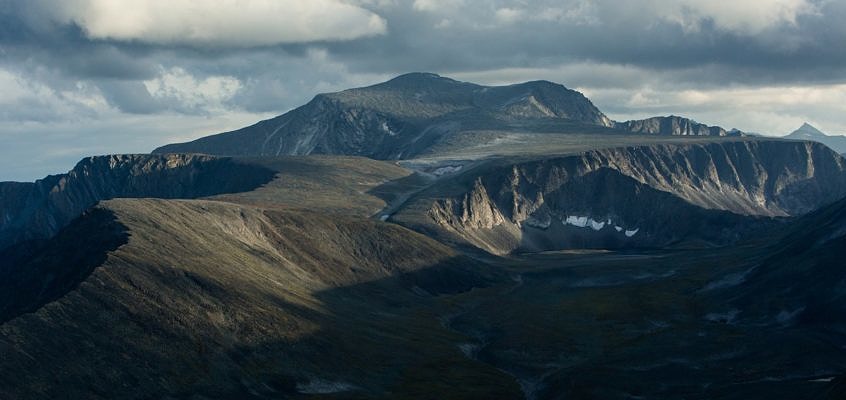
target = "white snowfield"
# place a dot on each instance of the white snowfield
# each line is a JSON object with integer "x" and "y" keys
{"x": 588, "y": 222}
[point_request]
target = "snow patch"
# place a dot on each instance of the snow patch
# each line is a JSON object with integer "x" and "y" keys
{"x": 580, "y": 222}
{"x": 588, "y": 222}
{"x": 597, "y": 226}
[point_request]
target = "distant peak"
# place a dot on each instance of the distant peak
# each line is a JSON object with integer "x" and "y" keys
{"x": 807, "y": 130}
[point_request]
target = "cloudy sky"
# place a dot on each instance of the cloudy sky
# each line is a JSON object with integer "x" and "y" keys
{"x": 85, "y": 77}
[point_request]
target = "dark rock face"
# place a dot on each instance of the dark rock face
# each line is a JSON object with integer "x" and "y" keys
{"x": 36, "y": 275}
{"x": 32, "y": 211}
{"x": 808, "y": 132}
{"x": 399, "y": 118}
{"x": 641, "y": 196}
{"x": 673, "y": 126}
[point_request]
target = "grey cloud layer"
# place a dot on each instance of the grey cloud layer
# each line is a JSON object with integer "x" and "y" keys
{"x": 86, "y": 61}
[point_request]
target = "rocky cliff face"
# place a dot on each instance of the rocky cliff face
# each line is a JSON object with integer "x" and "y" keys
{"x": 400, "y": 118}
{"x": 32, "y": 211}
{"x": 673, "y": 126}
{"x": 639, "y": 196}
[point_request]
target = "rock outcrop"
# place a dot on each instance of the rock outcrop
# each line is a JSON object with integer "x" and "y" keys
{"x": 638, "y": 196}
{"x": 673, "y": 126}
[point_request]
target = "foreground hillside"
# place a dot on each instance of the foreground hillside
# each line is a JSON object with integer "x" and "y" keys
{"x": 217, "y": 300}
{"x": 188, "y": 298}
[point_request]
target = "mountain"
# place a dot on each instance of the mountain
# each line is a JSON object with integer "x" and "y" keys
{"x": 808, "y": 132}
{"x": 674, "y": 125}
{"x": 401, "y": 118}
{"x": 523, "y": 246}
{"x": 606, "y": 198}
{"x": 415, "y": 114}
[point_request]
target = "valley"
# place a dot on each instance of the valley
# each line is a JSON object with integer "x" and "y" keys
{"x": 428, "y": 238}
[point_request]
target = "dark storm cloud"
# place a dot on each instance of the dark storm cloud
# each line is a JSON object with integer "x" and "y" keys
{"x": 809, "y": 49}
{"x": 812, "y": 49}
{"x": 85, "y": 60}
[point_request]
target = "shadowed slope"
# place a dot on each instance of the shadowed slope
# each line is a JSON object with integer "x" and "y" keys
{"x": 803, "y": 277}
{"x": 226, "y": 301}
{"x": 59, "y": 265}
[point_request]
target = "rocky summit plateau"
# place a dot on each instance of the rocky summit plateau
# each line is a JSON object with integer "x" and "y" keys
{"x": 426, "y": 238}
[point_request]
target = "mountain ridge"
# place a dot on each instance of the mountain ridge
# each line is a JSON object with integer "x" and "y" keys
{"x": 37, "y": 211}
{"x": 674, "y": 125}
{"x": 404, "y": 116}
{"x": 543, "y": 204}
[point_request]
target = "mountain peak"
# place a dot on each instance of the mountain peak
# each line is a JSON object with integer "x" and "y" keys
{"x": 809, "y": 132}
{"x": 806, "y": 131}
{"x": 418, "y": 79}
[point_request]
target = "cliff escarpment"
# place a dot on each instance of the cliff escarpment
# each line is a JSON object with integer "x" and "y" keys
{"x": 634, "y": 197}
{"x": 33, "y": 211}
